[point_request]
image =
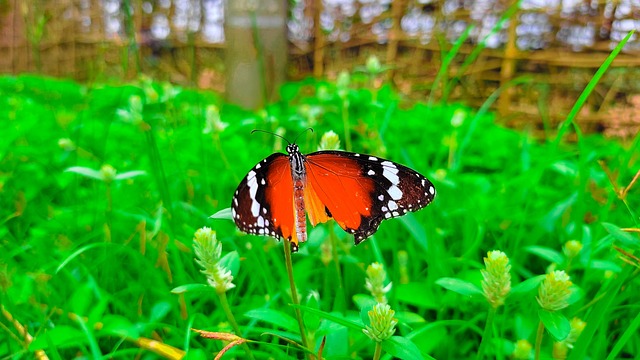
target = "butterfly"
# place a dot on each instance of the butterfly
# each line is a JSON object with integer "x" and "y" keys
{"x": 358, "y": 191}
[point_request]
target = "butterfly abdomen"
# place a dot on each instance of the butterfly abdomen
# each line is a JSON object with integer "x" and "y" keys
{"x": 299, "y": 176}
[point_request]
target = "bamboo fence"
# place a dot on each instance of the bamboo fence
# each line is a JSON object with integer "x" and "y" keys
{"x": 553, "y": 50}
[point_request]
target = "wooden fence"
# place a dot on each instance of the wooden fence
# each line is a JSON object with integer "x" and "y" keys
{"x": 551, "y": 52}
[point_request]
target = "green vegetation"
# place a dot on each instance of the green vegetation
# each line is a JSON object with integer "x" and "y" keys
{"x": 103, "y": 188}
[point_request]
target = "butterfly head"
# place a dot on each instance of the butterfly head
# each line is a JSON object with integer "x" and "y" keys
{"x": 292, "y": 149}
{"x": 296, "y": 159}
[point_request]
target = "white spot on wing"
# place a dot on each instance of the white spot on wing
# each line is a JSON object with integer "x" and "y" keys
{"x": 432, "y": 190}
{"x": 371, "y": 172}
{"x": 391, "y": 174}
{"x": 260, "y": 222}
{"x": 395, "y": 192}
{"x": 392, "y": 205}
{"x": 373, "y": 158}
{"x": 387, "y": 215}
{"x": 252, "y": 183}
{"x": 381, "y": 197}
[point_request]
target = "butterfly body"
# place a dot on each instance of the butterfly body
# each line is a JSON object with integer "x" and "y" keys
{"x": 358, "y": 191}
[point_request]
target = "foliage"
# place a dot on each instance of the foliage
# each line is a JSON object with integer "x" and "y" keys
{"x": 89, "y": 258}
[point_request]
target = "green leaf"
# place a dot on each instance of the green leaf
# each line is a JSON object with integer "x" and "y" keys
{"x": 159, "y": 311}
{"x": 546, "y": 253}
{"x": 460, "y": 286}
{"x": 81, "y": 299}
{"x": 363, "y": 301}
{"x": 312, "y": 321}
{"x": 191, "y": 288}
{"x": 576, "y": 294}
{"x": 623, "y": 237}
{"x": 334, "y": 317}
{"x": 119, "y": 326}
{"x": 85, "y": 171}
{"x": 555, "y": 323}
{"x": 402, "y": 348}
{"x": 81, "y": 251}
{"x": 274, "y": 317}
{"x": 605, "y": 265}
{"x": 589, "y": 88}
{"x": 224, "y": 214}
{"x": 231, "y": 262}
{"x": 418, "y": 294}
{"x": 60, "y": 336}
{"x": 631, "y": 331}
{"x": 364, "y": 314}
{"x": 130, "y": 174}
{"x": 527, "y": 285}
{"x": 407, "y": 317}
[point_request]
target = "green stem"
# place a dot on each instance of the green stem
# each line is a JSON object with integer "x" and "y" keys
{"x": 539, "y": 336}
{"x": 336, "y": 261}
{"x": 232, "y": 320}
{"x": 294, "y": 294}
{"x": 376, "y": 355}
{"x": 345, "y": 124}
{"x": 487, "y": 334}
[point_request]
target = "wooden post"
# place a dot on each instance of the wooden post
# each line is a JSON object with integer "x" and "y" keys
{"x": 256, "y": 52}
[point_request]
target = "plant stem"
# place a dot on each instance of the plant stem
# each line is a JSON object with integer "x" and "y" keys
{"x": 378, "y": 352}
{"x": 294, "y": 294}
{"x": 232, "y": 320}
{"x": 539, "y": 336}
{"x": 336, "y": 261}
{"x": 345, "y": 124}
{"x": 486, "y": 335}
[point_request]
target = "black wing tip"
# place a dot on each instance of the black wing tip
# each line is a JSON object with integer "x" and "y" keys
{"x": 359, "y": 238}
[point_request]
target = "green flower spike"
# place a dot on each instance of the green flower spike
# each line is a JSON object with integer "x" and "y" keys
{"x": 108, "y": 173}
{"x": 375, "y": 282}
{"x": 522, "y": 350}
{"x": 577, "y": 325}
{"x": 496, "y": 283}
{"x": 383, "y": 325}
{"x": 329, "y": 141}
{"x": 554, "y": 291}
{"x": 572, "y": 248}
{"x": 208, "y": 251}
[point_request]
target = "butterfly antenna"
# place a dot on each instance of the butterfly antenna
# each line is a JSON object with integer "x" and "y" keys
{"x": 272, "y": 133}
{"x": 302, "y": 132}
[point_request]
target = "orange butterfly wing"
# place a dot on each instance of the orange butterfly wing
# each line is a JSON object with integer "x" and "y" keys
{"x": 263, "y": 202}
{"x": 359, "y": 191}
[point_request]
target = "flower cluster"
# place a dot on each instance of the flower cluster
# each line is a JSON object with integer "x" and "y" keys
{"x": 208, "y": 252}
{"x": 554, "y": 292}
{"x": 382, "y": 323}
{"x": 496, "y": 282}
{"x": 376, "y": 276}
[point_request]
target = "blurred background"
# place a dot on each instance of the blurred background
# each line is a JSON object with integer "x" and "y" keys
{"x": 248, "y": 48}
{"x": 125, "y": 124}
